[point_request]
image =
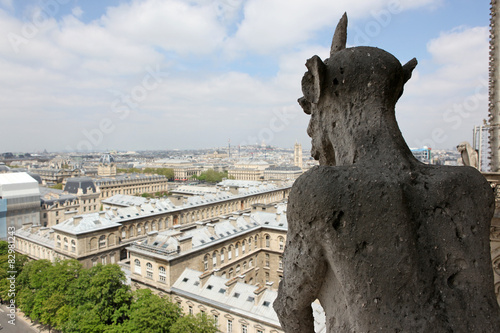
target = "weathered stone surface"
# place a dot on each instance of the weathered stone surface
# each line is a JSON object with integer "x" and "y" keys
{"x": 386, "y": 243}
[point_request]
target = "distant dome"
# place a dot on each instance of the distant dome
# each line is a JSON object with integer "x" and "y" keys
{"x": 3, "y": 167}
{"x": 107, "y": 159}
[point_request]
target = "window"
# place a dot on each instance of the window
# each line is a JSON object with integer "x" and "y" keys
{"x": 267, "y": 277}
{"x": 73, "y": 246}
{"x": 149, "y": 270}
{"x": 256, "y": 242}
{"x": 137, "y": 266}
{"x": 236, "y": 250}
{"x": 250, "y": 244}
{"x": 230, "y": 273}
{"x": 58, "y": 241}
{"x": 103, "y": 260}
{"x": 244, "y": 328}
{"x": 124, "y": 233}
{"x": 267, "y": 260}
{"x": 281, "y": 262}
{"x": 229, "y": 326}
{"x": 282, "y": 243}
{"x": 243, "y": 247}
{"x": 214, "y": 259}
{"x": 222, "y": 256}
{"x": 216, "y": 320}
{"x": 162, "y": 274}
{"x": 250, "y": 263}
{"x": 190, "y": 310}
{"x": 205, "y": 262}
{"x": 268, "y": 241}
{"x": 229, "y": 253}
{"x": 102, "y": 241}
{"x": 65, "y": 243}
{"x": 238, "y": 269}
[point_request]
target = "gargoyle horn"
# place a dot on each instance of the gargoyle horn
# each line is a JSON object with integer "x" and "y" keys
{"x": 340, "y": 37}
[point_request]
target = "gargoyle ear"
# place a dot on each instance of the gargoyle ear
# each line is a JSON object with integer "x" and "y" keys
{"x": 408, "y": 69}
{"x": 305, "y": 104}
{"x": 313, "y": 79}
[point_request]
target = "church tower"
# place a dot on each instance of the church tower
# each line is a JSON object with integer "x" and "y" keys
{"x": 297, "y": 155}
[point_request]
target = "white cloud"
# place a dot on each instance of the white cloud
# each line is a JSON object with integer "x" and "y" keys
{"x": 64, "y": 79}
{"x": 449, "y": 101}
{"x": 77, "y": 12}
{"x": 271, "y": 25}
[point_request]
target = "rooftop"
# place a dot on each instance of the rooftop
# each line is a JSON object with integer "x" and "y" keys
{"x": 241, "y": 298}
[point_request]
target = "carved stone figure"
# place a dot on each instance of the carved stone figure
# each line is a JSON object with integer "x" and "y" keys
{"x": 469, "y": 155}
{"x": 386, "y": 243}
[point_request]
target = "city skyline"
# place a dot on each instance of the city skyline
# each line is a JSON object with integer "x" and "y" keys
{"x": 151, "y": 75}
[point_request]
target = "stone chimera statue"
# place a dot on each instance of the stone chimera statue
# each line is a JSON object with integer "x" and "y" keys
{"x": 386, "y": 243}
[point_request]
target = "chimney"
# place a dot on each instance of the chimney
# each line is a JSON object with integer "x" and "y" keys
{"x": 233, "y": 190}
{"x": 247, "y": 217}
{"x": 233, "y": 221}
{"x": 211, "y": 228}
{"x": 186, "y": 243}
{"x": 230, "y": 285}
{"x": 77, "y": 220}
{"x": 35, "y": 228}
{"x": 151, "y": 236}
{"x": 204, "y": 277}
{"x": 258, "y": 293}
{"x": 177, "y": 200}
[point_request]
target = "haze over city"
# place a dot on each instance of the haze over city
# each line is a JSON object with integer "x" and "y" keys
{"x": 137, "y": 75}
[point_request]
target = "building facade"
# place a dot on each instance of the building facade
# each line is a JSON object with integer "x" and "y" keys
{"x": 131, "y": 184}
{"x": 120, "y": 225}
{"x": 284, "y": 172}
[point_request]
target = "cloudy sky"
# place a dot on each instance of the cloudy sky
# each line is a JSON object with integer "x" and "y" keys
{"x": 166, "y": 74}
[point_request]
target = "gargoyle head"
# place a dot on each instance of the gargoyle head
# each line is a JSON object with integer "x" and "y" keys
{"x": 346, "y": 83}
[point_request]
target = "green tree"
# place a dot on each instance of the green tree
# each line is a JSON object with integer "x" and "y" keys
{"x": 4, "y": 248}
{"x": 200, "y": 323}
{"x": 151, "y": 313}
{"x": 9, "y": 262}
{"x": 57, "y": 186}
{"x": 100, "y": 299}
{"x": 211, "y": 176}
{"x": 30, "y": 281}
{"x": 108, "y": 293}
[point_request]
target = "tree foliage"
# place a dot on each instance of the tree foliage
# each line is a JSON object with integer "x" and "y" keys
{"x": 65, "y": 296}
{"x": 57, "y": 186}
{"x": 167, "y": 172}
{"x": 211, "y": 176}
{"x": 199, "y": 323}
